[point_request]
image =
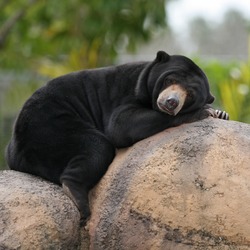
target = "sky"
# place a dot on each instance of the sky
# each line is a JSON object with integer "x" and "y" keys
{"x": 181, "y": 11}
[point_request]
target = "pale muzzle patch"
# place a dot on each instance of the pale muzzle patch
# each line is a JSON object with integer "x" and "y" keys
{"x": 172, "y": 99}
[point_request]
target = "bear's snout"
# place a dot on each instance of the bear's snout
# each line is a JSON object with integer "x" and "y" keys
{"x": 172, "y": 102}
{"x": 171, "y": 99}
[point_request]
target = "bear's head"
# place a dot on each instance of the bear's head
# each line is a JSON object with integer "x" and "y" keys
{"x": 173, "y": 84}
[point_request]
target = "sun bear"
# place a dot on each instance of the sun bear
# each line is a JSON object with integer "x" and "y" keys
{"x": 68, "y": 130}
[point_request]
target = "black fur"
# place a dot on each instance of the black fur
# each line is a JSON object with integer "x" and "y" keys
{"x": 68, "y": 130}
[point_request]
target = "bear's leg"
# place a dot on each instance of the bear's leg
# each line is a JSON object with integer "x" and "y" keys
{"x": 86, "y": 169}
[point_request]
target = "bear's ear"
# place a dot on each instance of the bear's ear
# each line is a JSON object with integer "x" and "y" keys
{"x": 162, "y": 56}
{"x": 210, "y": 99}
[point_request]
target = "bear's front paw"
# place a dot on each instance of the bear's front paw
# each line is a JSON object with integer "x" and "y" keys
{"x": 218, "y": 114}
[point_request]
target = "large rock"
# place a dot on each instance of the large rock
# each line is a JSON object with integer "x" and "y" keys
{"x": 185, "y": 188}
{"x": 35, "y": 214}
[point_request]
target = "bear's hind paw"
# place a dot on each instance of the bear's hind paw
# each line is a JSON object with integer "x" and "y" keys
{"x": 80, "y": 199}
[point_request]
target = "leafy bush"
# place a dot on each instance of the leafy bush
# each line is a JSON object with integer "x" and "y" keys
{"x": 230, "y": 83}
{"x": 17, "y": 88}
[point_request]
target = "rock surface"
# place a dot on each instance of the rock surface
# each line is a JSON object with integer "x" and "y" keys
{"x": 185, "y": 188}
{"x": 35, "y": 214}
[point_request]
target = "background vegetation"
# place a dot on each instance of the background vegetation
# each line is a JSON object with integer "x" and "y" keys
{"x": 40, "y": 40}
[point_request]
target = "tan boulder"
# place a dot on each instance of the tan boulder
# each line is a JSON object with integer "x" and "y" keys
{"x": 185, "y": 188}
{"x": 35, "y": 214}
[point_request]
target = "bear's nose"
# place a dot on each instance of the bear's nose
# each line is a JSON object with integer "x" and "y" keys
{"x": 172, "y": 103}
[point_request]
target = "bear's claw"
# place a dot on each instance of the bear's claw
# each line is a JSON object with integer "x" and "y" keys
{"x": 222, "y": 114}
{"x": 218, "y": 114}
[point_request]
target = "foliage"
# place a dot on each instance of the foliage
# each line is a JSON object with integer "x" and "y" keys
{"x": 234, "y": 93}
{"x": 19, "y": 91}
{"x": 78, "y": 33}
{"x": 20, "y": 87}
{"x": 230, "y": 83}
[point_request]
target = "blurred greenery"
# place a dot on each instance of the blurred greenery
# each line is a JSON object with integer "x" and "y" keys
{"x": 77, "y": 33}
{"x": 230, "y": 83}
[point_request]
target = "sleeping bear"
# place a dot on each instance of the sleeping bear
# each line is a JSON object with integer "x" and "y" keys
{"x": 68, "y": 130}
